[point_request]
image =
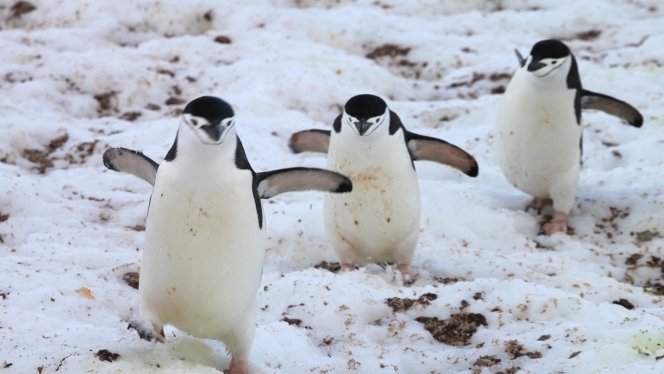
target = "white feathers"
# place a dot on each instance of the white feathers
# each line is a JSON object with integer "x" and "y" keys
{"x": 537, "y": 137}
{"x": 379, "y": 220}
{"x": 204, "y": 249}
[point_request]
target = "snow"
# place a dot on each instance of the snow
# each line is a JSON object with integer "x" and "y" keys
{"x": 81, "y": 76}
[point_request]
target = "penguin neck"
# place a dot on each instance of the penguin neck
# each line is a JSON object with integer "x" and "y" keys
{"x": 350, "y": 152}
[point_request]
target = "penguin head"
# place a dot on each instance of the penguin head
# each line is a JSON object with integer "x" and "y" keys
{"x": 210, "y": 118}
{"x": 549, "y": 61}
{"x": 364, "y": 114}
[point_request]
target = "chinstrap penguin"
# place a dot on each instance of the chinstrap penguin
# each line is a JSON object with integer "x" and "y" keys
{"x": 204, "y": 235}
{"x": 538, "y": 129}
{"x": 379, "y": 220}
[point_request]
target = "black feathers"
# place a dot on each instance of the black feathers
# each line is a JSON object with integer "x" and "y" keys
{"x": 211, "y": 108}
{"x": 170, "y": 156}
{"x": 241, "y": 162}
{"x": 549, "y": 48}
{"x": 365, "y": 106}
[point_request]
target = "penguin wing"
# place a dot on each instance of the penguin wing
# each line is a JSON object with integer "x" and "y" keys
{"x": 432, "y": 149}
{"x": 612, "y": 106}
{"x": 132, "y": 162}
{"x": 275, "y": 182}
{"x": 310, "y": 141}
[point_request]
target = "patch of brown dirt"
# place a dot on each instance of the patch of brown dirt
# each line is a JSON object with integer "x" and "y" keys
{"x": 515, "y": 350}
{"x": 20, "y": 8}
{"x": 624, "y": 303}
{"x": 43, "y": 157}
{"x": 106, "y": 355}
{"x": 131, "y": 278}
{"x": 403, "y": 304}
{"x": 329, "y": 266}
{"x": 455, "y": 331}
{"x": 388, "y": 50}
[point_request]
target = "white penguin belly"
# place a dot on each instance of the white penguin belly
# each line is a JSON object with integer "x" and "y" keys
{"x": 203, "y": 253}
{"x": 380, "y": 217}
{"x": 537, "y": 140}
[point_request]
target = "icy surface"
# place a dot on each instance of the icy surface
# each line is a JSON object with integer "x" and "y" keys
{"x": 80, "y": 76}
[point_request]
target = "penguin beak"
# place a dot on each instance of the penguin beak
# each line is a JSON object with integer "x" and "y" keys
{"x": 363, "y": 126}
{"x": 535, "y": 65}
{"x": 214, "y": 131}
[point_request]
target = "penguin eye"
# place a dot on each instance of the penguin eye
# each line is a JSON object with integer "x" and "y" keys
{"x": 194, "y": 122}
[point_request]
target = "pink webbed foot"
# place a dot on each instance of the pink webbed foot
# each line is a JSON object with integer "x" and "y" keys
{"x": 557, "y": 224}
{"x": 406, "y": 274}
{"x": 345, "y": 266}
{"x": 238, "y": 366}
{"x": 158, "y": 332}
{"x": 538, "y": 203}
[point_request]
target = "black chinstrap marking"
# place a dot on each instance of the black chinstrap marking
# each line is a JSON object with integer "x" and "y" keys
{"x": 242, "y": 163}
{"x": 172, "y": 153}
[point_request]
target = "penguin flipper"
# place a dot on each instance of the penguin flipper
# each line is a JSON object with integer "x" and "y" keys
{"x": 432, "y": 149}
{"x": 132, "y": 162}
{"x": 612, "y": 106}
{"x": 275, "y": 182}
{"x": 310, "y": 141}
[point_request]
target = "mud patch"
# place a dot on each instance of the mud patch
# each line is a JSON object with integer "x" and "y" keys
{"x": 494, "y": 83}
{"x": 645, "y": 236}
{"x": 106, "y": 355}
{"x": 588, "y": 35}
{"x": 20, "y": 8}
{"x": 448, "y": 280}
{"x": 487, "y": 361}
{"x": 43, "y": 158}
{"x": 106, "y": 103}
{"x": 292, "y": 321}
{"x": 609, "y": 225}
{"x": 131, "y": 278}
{"x": 222, "y": 39}
{"x": 514, "y": 350}
{"x": 403, "y": 304}
{"x": 650, "y": 268}
{"x": 388, "y": 50}
{"x": 455, "y": 331}
{"x": 334, "y": 267}
{"x": 624, "y": 303}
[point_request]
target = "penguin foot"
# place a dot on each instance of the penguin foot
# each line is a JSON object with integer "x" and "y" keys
{"x": 238, "y": 366}
{"x": 538, "y": 203}
{"x": 346, "y": 266}
{"x": 158, "y": 332}
{"x": 407, "y": 276}
{"x": 557, "y": 224}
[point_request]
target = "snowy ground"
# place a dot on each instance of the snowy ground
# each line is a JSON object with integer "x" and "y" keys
{"x": 79, "y": 76}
